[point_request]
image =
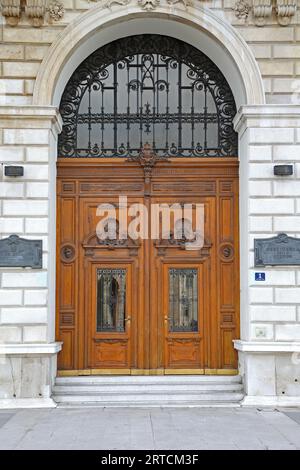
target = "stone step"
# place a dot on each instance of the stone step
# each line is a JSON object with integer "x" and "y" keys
{"x": 167, "y": 390}
{"x": 86, "y": 388}
{"x": 150, "y": 398}
{"x": 149, "y": 379}
{"x": 145, "y": 404}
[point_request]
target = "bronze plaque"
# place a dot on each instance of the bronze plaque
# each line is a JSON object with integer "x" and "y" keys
{"x": 277, "y": 251}
{"x": 16, "y": 252}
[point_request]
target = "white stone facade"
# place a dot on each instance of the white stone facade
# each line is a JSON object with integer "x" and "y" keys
{"x": 262, "y": 64}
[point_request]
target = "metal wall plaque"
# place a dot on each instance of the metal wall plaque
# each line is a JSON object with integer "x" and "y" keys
{"x": 276, "y": 251}
{"x": 16, "y": 252}
{"x": 14, "y": 170}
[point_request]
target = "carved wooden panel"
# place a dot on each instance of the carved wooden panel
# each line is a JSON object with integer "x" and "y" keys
{"x": 68, "y": 227}
{"x": 183, "y": 353}
{"x": 110, "y": 353}
{"x": 67, "y": 359}
{"x": 203, "y": 187}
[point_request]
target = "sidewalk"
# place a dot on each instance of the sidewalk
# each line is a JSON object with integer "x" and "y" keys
{"x": 155, "y": 428}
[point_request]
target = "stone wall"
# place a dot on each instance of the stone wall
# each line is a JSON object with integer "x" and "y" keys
{"x": 27, "y": 209}
{"x": 270, "y": 310}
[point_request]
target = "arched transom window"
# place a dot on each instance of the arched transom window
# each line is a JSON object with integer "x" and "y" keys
{"x": 147, "y": 89}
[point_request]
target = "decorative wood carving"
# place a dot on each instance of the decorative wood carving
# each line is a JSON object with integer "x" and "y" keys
{"x": 67, "y": 253}
{"x": 226, "y": 252}
{"x": 163, "y": 245}
{"x": 147, "y": 158}
{"x": 92, "y": 243}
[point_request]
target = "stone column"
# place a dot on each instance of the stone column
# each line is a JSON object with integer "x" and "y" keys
{"x": 270, "y": 310}
{"x": 27, "y": 296}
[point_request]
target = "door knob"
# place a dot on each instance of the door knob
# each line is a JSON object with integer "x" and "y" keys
{"x": 128, "y": 318}
{"x": 167, "y": 318}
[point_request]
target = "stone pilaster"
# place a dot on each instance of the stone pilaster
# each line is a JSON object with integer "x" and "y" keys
{"x": 27, "y": 315}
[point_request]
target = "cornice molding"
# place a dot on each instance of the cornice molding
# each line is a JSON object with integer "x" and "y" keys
{"x": 267, "y": 115}
{"x": 47, "y": 115}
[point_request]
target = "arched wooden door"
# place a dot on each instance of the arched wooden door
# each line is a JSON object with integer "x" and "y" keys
{"x": 148, "y": 118}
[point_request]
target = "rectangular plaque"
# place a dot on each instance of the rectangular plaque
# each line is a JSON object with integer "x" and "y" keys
{"x": 16, "y": 252}
{"x": 277, "y": 251}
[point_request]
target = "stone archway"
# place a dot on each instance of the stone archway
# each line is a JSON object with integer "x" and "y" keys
{"x": 195, "y": 25}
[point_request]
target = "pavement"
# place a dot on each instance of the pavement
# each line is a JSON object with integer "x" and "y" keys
{"x": 150, "y": 429}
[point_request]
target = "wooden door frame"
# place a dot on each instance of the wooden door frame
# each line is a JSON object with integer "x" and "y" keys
{"x": 88, "y": 169}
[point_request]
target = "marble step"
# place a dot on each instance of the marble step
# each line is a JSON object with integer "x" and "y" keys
{"x": 147, "y": 404}
{"x": 150, "y": 398}
{"x": 148, "y": 391}
{"x": 89, "y": 389}
{"x": 148, "y": 379}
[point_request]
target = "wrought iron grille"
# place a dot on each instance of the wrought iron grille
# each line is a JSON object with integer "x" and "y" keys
{"x": 147, "y": 89}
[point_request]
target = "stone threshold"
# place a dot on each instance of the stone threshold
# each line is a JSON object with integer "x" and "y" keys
{"x": 32, "y": 349}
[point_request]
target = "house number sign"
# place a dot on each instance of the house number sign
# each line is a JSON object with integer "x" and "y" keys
{"x": 16, "y": 252}
{"x": 277, "y": 251}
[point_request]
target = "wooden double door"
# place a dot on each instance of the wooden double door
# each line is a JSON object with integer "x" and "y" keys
{"x": 147, "y": 305}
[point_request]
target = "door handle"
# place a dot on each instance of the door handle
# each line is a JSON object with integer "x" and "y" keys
{"x": 127, "y": 319}
{"x": 167, "y": 318}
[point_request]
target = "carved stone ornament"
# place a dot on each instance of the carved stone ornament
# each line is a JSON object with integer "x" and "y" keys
{"x": 35, "y": 10}
{"x": 262, "y": 9}
{"x": 56, "y": 11}
{"x": 148, "y": 4}
{"x": 242, "y": 9}
{"x": 285, "y": 9}
{"x": 186, "y": 3}
{"x": 109, "y": 3}
{"x": 11, "y": 10}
